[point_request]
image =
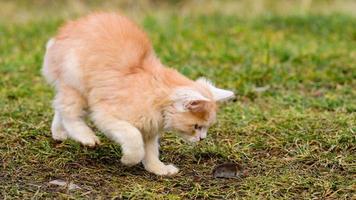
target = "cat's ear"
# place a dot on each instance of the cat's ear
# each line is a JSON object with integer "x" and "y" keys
{"x": 196, "y": 105}
{"x": 218, "y": 94}
{"x": 186, "y": 99}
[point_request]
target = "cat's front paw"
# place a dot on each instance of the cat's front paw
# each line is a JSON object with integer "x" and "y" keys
{"x": 170, "y": 170}
{"x": 89, "y": 140}
{"x": 59, "y": 134}
{"x": 162, "y": 169}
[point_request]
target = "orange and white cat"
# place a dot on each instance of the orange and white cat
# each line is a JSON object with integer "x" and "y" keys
{"x": 105, "y": 64}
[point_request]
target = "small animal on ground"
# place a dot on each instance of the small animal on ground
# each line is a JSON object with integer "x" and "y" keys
{"x": 229, "y": 170}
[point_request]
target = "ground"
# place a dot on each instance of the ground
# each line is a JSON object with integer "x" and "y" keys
{"x": 292, "y": 125}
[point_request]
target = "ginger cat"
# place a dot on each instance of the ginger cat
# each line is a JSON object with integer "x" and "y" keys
{"x": 105, "y": 64}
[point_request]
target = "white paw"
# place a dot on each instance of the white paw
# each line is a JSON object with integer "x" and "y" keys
{"x": 162, "y": 169}
{"x": 170, "y": 170}
{"x": 89, "y": 140}
{"x": 131, "y": 158}
{"x": 59, "y": 134}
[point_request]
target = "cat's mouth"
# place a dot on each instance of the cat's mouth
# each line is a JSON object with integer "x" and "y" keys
{"x": 194, "y": 138}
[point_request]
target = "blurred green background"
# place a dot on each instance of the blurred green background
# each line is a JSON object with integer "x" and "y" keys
{"x": 22, "y": 10}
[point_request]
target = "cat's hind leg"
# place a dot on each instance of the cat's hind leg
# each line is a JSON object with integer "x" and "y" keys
{"x": 70, "y": 106}
{"x": 123, "y": 133}
{"x": 57, "y": 128}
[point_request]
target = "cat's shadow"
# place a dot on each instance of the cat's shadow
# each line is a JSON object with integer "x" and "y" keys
{"x": 105, "y": 157}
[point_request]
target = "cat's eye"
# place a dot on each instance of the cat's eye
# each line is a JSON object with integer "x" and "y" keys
{"x": 197, "y": 127}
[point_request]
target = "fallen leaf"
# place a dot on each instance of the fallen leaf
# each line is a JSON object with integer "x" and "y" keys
{"x": 261, "y": 89}
{"x": 70, "y": 185}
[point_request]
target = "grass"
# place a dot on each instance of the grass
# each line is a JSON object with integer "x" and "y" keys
{"x": 292, "y": 126}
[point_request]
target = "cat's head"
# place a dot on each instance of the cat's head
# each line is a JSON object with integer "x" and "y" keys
{"x": 194, "y": 109}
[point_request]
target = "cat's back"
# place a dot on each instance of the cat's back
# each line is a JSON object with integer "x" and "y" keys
{"x": 109, "y": 37}
{"x": 95, "y": 47}
{"x": 103, "y": 27}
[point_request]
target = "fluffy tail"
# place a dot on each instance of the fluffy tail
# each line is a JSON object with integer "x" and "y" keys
{"x": 46, "y": 67}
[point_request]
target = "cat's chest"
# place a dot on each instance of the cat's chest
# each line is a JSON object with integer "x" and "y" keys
{"x": 150, "y": 124}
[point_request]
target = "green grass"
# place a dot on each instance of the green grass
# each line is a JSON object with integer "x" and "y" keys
{"x": 293, "y": 125}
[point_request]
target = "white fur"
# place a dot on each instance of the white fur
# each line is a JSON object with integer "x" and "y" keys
{"x": 79, "y": 131}
{"x": 50, "y": 43}
{"x": 122, "y": 132}
{"x": 57, "y": 128}
{"x": 69, "y": 106}
{"x": 46, "y": 63}
{"x": 219, "y": 94}
{"x": 183, "y": 96}
{"x": 71, "y": 70}
{"x": 195, "y": 138}
{"x": 151, "y": 160}
{"x": 202, "y": 132}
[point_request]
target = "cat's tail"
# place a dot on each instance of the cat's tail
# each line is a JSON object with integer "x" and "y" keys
{"x": 47, "y": 68}
{"x": 50, "y": 43}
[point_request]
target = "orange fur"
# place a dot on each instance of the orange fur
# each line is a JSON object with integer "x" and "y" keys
{"x": 106, "y": 63}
